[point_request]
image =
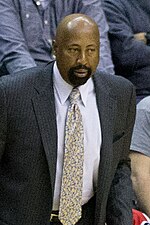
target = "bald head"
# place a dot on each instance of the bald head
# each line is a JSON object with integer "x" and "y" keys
{"x": 76, "y": 21}
{"x": 76, "y": 48}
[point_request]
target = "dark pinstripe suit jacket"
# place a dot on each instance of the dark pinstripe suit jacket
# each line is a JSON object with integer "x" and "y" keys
{"x": 28, "y": 148}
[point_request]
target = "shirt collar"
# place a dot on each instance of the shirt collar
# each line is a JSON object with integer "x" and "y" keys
{"x": 64, "y": 89}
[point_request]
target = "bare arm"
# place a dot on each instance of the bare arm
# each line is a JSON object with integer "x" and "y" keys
{"x": 140, "y": 165}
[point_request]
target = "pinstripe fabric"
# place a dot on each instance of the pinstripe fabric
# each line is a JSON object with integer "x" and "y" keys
{"x": 28, "y": 148}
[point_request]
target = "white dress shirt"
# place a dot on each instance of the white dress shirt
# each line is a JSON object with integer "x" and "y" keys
{"x": 92, "y": 134}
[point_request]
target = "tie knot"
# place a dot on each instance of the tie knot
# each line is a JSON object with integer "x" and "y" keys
{"x": 74, "y": 96}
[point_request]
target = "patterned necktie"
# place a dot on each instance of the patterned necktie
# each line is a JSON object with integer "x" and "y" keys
{"x": 70, "y": 209}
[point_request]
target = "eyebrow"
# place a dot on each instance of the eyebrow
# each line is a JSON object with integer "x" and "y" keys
{"x": 76, "y": 45}
{"x": 91, "y": 45}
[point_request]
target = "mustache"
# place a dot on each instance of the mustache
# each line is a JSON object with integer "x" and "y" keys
{"x": 76, "y": 81}
{"x": 81, "y": 67}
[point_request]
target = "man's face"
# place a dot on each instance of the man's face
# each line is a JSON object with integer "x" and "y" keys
{"x": 77, "y": 54}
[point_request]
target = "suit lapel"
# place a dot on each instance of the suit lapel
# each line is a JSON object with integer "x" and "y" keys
{"x": 44, "y": 107}
{"x": 107, "y": 107}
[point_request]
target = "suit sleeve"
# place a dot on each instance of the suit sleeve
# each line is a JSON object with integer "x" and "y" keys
{"x": 127, "y": 51}
{"x": 14, "y": 53}
{"x": 119, "y": 206}
{"x": 3, "y": 119}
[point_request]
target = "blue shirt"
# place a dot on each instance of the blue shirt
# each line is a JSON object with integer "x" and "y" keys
{"x": 27, "y": 29}
{"x": 131, "y": 57}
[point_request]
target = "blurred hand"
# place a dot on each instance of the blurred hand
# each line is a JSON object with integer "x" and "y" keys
{"x": 140, "y": 37}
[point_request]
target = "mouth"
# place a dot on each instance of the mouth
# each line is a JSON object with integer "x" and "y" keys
{"x": 81, "y": 73}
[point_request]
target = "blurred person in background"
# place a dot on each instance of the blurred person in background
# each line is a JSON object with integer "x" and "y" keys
{"x": 129, "y": 35}
{"x": 27, "y": 28}
{"x": 140, "y": 155}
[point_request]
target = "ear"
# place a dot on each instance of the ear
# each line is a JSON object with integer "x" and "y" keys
{"x": 54, "y": 47}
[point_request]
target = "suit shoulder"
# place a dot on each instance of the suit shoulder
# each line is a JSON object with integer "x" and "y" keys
{"x": 115, "y": 81}
{"x": 117, "y": 87}
{"x": 24, "y": 79}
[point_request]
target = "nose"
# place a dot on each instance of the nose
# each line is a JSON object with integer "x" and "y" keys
{"x": 82, "y": 58}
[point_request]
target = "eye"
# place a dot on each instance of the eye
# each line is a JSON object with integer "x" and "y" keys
{"x": 73, "y": 50}
{"x": 91, "y": 50}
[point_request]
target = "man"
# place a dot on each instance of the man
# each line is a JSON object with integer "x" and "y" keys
{"x": 33, "y": 137}
{"x": 140, "y": 155}
{"x": 129, "y": 23}
{"x": 27, "y": 28}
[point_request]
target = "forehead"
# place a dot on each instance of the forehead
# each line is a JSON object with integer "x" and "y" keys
{"x": 81, "y": 37}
